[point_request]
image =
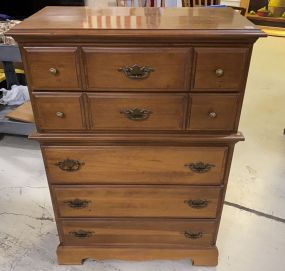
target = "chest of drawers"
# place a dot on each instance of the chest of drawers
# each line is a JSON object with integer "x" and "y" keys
{"x": 137, "y": 113}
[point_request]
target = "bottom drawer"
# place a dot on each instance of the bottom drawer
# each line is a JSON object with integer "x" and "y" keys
{"x": 137, "y": 231}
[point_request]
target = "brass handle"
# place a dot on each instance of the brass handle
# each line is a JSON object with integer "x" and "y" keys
{"x": 136, "y": 72}
{"x": 193, "y": 235}
{"x": 53, "y": 71}
{"x": 136, "y": 114}
{"x": 197, "y": 203}
{"x": 59, "y": 114}
{"x": 69, "y": 165}
{"x": 219, "y": 72}
{"x": 200, "y": 167}
{"x": 212, "y": 115}
{"x": 81, "y": 234}
{"x": 77, "y": 203}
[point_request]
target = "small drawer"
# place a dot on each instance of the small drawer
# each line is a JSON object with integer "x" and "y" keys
{"x": 53, "y": 68}
{"x": 222, "y": 69}
{"x": 135, "y": 164}
{"x": 58, "y": 112}
{"x": 137, "y": 201}
{"x": 137, "y": 111}
{"x": 137, "y": 232}
{"x": 117, "y": 69}
{"x": 213, "y": 112}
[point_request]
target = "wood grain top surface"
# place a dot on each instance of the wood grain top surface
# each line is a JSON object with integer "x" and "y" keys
{"x": 134, "y": 21}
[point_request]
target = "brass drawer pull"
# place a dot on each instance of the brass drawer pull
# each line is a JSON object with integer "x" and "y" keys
{"x": 193, "y": 235}
{"x": 136, "y": 72}
{"x": 53, "y": 71}
{"x": 59, "y": 114}
{"x": 212, "y": 115}
{"x": 81, "y": 234}
{"x": 200, "y": 167}
{"x": 77, "y": 203}
{"x": 69, "y": 165}
{"x": 136, "y": 114}
{"x": 197, "y": 203}
{"x": 219, "y": 72}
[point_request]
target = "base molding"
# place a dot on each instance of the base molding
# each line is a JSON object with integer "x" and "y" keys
{"x": 74, "y": 255}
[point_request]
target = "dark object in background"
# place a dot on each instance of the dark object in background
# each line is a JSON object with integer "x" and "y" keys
{"x": 257, "y": 4}
{"x": 23, "y": 9}
{"x": 4, "y": 17}
{"x": 21, "y": 80}
{"x": 262, "y": 18}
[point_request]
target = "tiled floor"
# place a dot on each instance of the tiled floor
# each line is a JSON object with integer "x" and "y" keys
{"x": 248, "y": 240}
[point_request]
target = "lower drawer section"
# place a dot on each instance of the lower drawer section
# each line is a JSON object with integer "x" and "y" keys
{"x": 136, "y": 201}
{"x": 137, "y": 232}
{"x": 201, "y": 165}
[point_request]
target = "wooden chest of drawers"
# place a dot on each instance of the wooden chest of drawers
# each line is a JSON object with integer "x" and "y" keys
{"x": 137, "y": 113}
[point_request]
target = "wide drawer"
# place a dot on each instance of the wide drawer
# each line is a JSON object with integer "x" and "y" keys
{"x": 222, "y": 69}
{"x": 116, "y": 69}
{"x": 59, "y": 112}
{"x": 136, "y": 201}
{"x": 213, "y": 112}
{"x": 53, "y": 68}
{"x": 63, "y": 111}
{"x": 137, "y": 111}
{"x": 135, "y": 164}
{"x": 137, "y": 232}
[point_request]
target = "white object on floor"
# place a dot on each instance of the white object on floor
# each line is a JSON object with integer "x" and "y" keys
{"x": 16, "y": 96}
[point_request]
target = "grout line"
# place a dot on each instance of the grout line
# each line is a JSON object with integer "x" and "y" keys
{"x": 235, "y": 205}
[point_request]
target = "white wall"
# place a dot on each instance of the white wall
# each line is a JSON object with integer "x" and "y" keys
{"x": 235, "y": 3}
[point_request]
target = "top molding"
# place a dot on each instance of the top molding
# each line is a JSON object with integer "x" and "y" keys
{"x": 181, "y": 24}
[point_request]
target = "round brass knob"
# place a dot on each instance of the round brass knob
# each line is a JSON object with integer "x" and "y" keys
{"x": 53, "y": 71}
{"x": 219, "y": 72}
{"x": 59, "y": 114}
{"x": 212, "y": 115}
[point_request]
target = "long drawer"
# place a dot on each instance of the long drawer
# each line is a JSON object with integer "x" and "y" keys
{"x": 139, "y": 231}
{"x": 135, "y": 164}
{"x": 136, "y": 69}
{"x": 159, "y": 69}
{"x": 136, "y": 201}
{"x": 62, "y": 111}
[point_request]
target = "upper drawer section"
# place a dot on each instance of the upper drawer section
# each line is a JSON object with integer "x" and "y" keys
{"x": 222, "y": 69}
{"x": 53, "y": 68}
{"x": 116, "y": 69}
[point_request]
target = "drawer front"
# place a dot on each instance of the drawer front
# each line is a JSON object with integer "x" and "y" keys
{"x": 53, "y": 68}
{"x": 115, "y": 69}
{"x": 137, "y": 232}
{"x": 58, "y": 111}
{"x": 222, "y": 69}
{"x": 137, "y": 201}
{"x": 135, "y": 164}
{"x": 137, "y": 111}
{"x": 213, "y": 112}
